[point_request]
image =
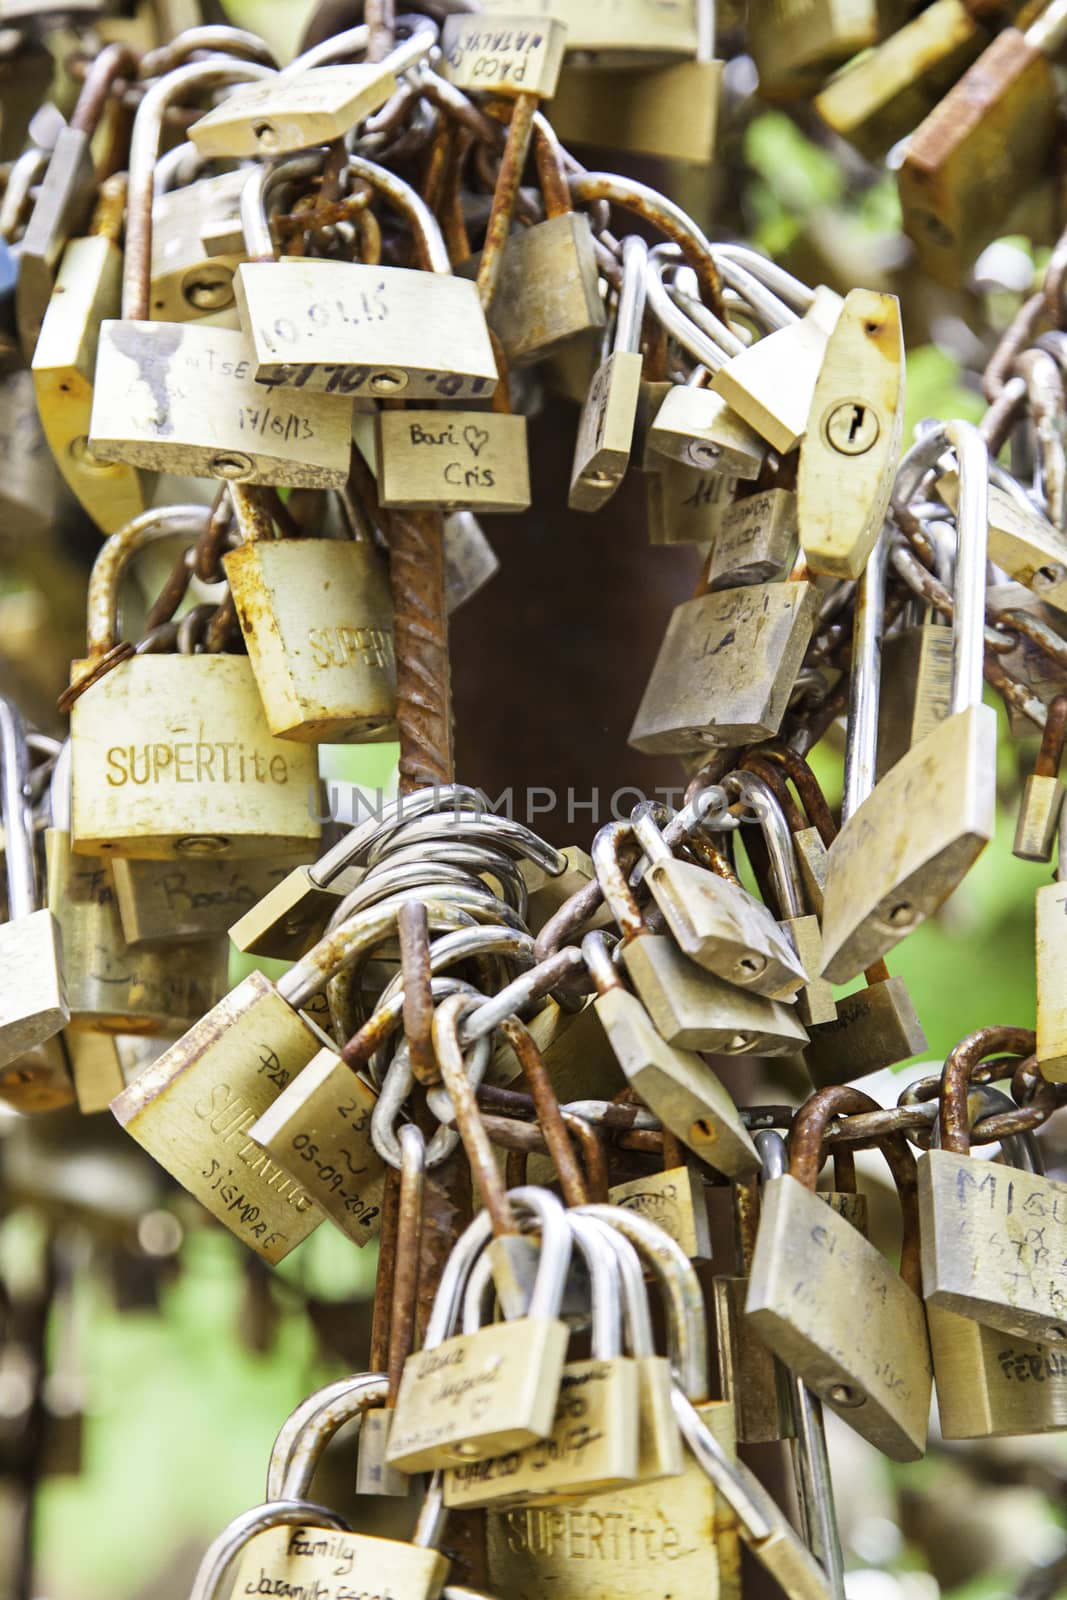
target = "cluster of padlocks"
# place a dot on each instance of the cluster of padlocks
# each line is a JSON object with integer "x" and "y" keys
{"x": 273, "y": 332}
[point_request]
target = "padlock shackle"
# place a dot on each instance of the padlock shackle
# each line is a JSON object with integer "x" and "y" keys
{"x": 605, "y": 1286}
{"x": 220, "y": 38}
{"x": 223, "y": 1551}
{"x": 399, "y": 1081}
{"x": 597, "y": 958}
{"x": 786, "y": 289}
{"x": 864, "y": 683}
{"x": 17, "y": 814}
{"x": 669, "y": 218}
{"x": 681, "y": 328}
{"x": 630, "y": 310}
{"x": 972, "y": 530}
{"x": 430, "y": 247}
{"x": 962, "y": 1061}
{"x": 26, "y": 170}
{"x": 806, "y": 1143}
{"x": 680, "y": 1287}
{"x": 257, "y": 191}
{"x": 309, "y": 1427}
{"x": 113, "y": 61}
{"x": 608, "y": 842}
{"x": 144, "y": 153}
{"x": 552, "y": 1268}
{"x": 340, "y": 947}
{"x": 636, "y": 1312}
{"x": 114, "y": 556}
{"x": 476, "y": 1142}
{"x": 757, "y": 793}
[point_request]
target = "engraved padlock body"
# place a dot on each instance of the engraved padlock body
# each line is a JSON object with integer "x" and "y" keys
{"x": 515, "y": 1366}
{"x": 992, "y": 1385}
{"x": 316, "y": 616}
{"x": 593, "y": 1442}
{"x": 172, "y": 755}
{"x": 989, "y": 1232}
{"x": 868, "y": 1360}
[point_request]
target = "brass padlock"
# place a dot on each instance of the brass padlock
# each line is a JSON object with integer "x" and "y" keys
{"x": 609, "y": 411}
{"x": 466, "y": 460}
{"x": 317, "y": 620}
{"x": 756, "y": 541}
{"x": 988, "y": 137}
{"x": 714, "y": 920}
{"x": 886, "y": 92}
{"x": 192, "y": 1108}
{"x": 172, "y": 755}
{"x": 548, "y": 292}
{"x": 189, "y": 280}
{"x": 868, "y": 1361}
{"x": 676, "y": 1085}
{"x": 1022, "y": 541}
{"x": 113, "y": 987}
{"x": 303, "y": 106}
{"x": 592, "y": 1444}
{"x": 183, "y": 396}
{"x": 906, "y": 845}
{"x": 851, "y": 446}
{"x": 992, "y": 1385}
{"x": 294, "y": 1543}
{"x": 516, "y": 1364}
{"x": 988, "y": 1239}
{"x": 689, "y": 1006}
{"x": 33, "y": 1001}
{"x": 318, "y": 1129}
{"x": 87, "y": 292}
{"x": 696, "y": 426}
{"x": 507, "y": 55}
{"x": 726, "y": 668}
{"x": 671, "y": 112}
{"x": 361, "y": 330}
{"x": 176, "y": 900}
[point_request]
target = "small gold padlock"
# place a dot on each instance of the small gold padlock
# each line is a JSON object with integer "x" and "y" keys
{"x": 317, "y": 620}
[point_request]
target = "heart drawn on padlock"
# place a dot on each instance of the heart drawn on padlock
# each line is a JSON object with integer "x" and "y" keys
{"x": 475, "y": 438}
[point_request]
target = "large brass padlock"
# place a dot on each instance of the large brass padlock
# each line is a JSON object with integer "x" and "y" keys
{"x": 317, "y": 620}
{"x": 513, "y": 1366}
{"x": 87, "y": 291}
{"x": 172, "y": 755}
{"x": 988, "y": 137}
{"x": 989, "y": 1234}
{"x": 726, "y": 668}
{"x": 830, "y": 1305}
{"x": 183, "y": 397}
{"x": 905, "y": 846}
{"x": 990, "y": 1384}
{"x": 114, "y": 987}
{"x": 592, "y": 1445}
